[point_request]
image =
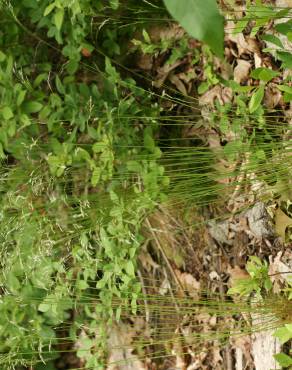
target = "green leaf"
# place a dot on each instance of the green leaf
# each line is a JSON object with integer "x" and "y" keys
{"x": 2, "y": 56}
{"x": 7, "y": 113}
{"x": 286, "y": 59}
{"x": 201, "y": 19}
{"x": 2, "y": 154}
{"x": 130, "y": 268}
{"x": 114, "y": 4}
{"x": 273, "y": 40}
{"x": 264, "y": 74}
{"x": 44, "y": 307}
{"x": 59, "y": 85}
{"x": 285, "y": 88}
{"x": 32, "y": 107}
{"x": 203, "y": 87}
{"x": 284, "y": 28}
{"x": 95, "y": 176}
{"x": 283, "y": 334}
{"x": 283, "y": 359}
{"x": 58, "y": 18}
{"x": 20, "y": 97}
{"x": 72, "y": 66}
{"x": 256, "y": 99}
{"x": 49, "y": 8}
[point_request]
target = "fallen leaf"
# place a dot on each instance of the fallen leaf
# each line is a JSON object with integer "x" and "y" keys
{"x": 282, "y": 221}
{"x": 179, "y": 84}
{"x": 236, "y": 274}
{"x": 224, "y": 95}
{"x": 272, "y": 96}
{"x": 189, "y": 283}
{"x": 121, "y": 356}
{"x": 278, "y": 272}
{"x": 241, "y": 71}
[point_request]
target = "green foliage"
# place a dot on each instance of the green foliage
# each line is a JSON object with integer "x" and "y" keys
{"x": 201, "y": 19}
{"x": 258, "y": 281}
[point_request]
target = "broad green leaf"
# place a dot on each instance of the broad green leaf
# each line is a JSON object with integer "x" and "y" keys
{"x": 283, "y": 359}
{"x": 283, "y": 334}
{"x": 273, "y": 40}
{"x": 20, "y": 97}
{"x": 201, "y": 19}
{"x": 284, "y": 28}
{"x": 58, "y": 18}
{"x": 264, "y": 74}
{"x": 2, "y": 56}
{"x": 286, "y": 59}
{"x": 95, "y": 176}
{"x": 256, "y": 99}
{"x": 130, "y": 268}
{"x": 44, "y": 307}
{"x": 32, "y": 107}
{"x": 285, "y": 88}
{"x": 149, "y": 142}
{"x": 7, "y": 113}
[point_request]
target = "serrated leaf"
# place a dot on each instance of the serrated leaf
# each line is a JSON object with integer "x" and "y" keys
{"x": 256, "y": 99}
{"x": 201, "y": 19}
{"x": 58, "y": 18}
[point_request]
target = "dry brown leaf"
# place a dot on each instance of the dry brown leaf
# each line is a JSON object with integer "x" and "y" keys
{"x": 282, "y": 221}
{"x": 189, "y": 283}
{"x": 273, "y": 96}
{"x": 147, "y": 261}
{"x": 257, "y": 61}
{"x": 121, "y": 355}
{"x": 242, "y": 343}
{"x": 145, "y": 62}
{"x": 238, "y": 39}
{"x": 179, "y": 84}
{"x": 236, "y": 273}
{"x": 241, "y": 71}
{"x": 173, "y": 32}
{"x": 276, "y": 266}
{"x": 163, "y": 72}
{"x": 224, "y": 95}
